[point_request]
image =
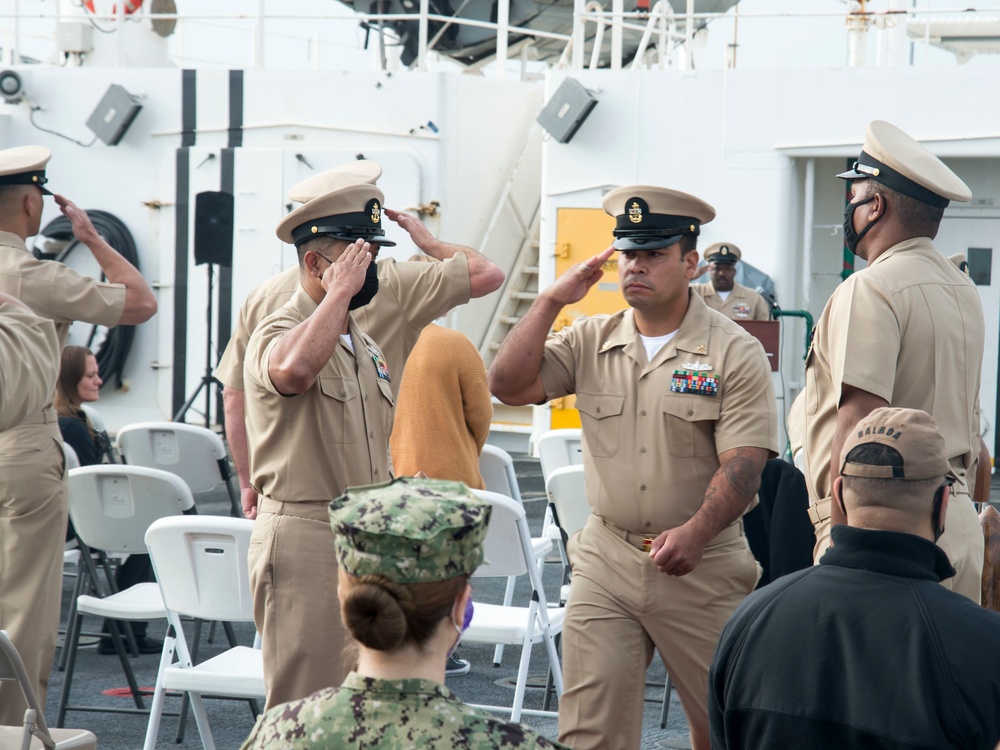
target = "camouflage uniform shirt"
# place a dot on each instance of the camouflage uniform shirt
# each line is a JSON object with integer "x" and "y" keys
{"x": 387, "y": 714}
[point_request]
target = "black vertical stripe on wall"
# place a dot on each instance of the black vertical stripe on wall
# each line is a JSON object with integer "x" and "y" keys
{"x": 181, "y": 244}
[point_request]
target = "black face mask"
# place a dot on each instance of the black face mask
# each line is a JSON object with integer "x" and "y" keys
{"x": 852, "y": 238}
{"x": 368, "y": 290}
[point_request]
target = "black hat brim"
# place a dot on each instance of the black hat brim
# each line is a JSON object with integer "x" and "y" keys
{"x": 646, "y": 243}
{"x": 853, "y": 174}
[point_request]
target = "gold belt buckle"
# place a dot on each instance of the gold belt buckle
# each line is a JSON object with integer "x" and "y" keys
{"x": 647, "y": 543}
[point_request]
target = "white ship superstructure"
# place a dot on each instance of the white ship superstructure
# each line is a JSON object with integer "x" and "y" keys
{"x": 754, "y": 106}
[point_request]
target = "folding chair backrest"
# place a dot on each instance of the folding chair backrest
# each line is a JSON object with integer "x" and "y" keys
{"x": 111, "y": 505}
{"x": 189, "y": 451}
{"x": 201, "y": 565}
{"x": 497, "y": 470}
{"x": 559, "y": 448}
{"x": 568, "y": 496}
{"x": 504, "y": 550}
{"x": 72, "y": 460}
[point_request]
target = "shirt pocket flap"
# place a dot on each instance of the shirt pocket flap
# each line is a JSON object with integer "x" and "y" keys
{"x": 693, "y": 408}
{"x": 600, "y": 405}
{"x": 338, "y": 388}
{"x": 386, "y": 390}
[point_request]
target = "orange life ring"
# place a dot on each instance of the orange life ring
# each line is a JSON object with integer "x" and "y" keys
{"x": 131, "y": 6}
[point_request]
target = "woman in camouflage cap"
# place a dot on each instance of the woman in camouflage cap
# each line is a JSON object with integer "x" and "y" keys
{"x": 406, "y": 551}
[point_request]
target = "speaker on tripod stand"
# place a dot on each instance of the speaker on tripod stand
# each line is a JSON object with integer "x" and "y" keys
{"x": 213, "y": 245}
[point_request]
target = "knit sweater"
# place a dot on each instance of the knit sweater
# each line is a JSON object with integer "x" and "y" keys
{"x": 444, "y": 410}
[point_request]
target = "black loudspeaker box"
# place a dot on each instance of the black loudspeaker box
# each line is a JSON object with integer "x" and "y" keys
{"x": 213, "y": 228}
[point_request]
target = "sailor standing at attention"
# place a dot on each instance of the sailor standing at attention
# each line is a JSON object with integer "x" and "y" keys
{"x": 319, "y": 411}
{"x": 32, "y": 471}
{"x": 722, "y": 293}
{"x": 679, "y": 417}
{"x": 906, "y": 331}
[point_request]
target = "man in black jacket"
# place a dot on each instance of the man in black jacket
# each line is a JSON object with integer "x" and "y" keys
{"x": 866, "y": 649}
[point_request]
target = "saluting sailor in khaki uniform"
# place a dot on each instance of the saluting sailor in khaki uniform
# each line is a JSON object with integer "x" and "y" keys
{"x": 411, "y": 296}
{"x": 722, "y": 293}
{"x": 318, "y": 416}
{"x": 32, "y": 477}
{"x": 906, "y": 331}
{"x": 679, "y": 417}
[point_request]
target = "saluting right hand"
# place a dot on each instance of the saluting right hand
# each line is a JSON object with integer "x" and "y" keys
{"x": 348, "y": 271}
{"x": 573, "y": 285}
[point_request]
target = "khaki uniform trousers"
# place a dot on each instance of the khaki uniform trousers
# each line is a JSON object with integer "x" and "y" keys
{"x": 620, "y": 607}
{"x": 293, "y": 578}
{"x": 962, "y": 541}
{"x": 32, "y": 534}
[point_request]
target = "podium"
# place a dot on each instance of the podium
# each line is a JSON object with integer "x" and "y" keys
{"x": 768, "y": 333}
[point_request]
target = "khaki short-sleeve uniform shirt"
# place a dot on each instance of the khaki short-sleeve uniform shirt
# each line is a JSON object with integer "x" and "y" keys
{"x": 410, "y": 295}
{"x": 29, "y": 361}
{"x": 653, "y": 449}
{"x": 743, "y": 303}
{"x": 54, "y": 290}
{"x": 312, "y": 446}
{"x": 909, "y": 328}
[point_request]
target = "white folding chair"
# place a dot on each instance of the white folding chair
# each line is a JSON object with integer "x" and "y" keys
{"x": 497, "y": 470}
{"x": 111, "y": 507}
{"x": 559, "y": 448}
{"x": 508, "y": 552}
{"x": 195, "y": 454}
{"x": 34, "y": 733}
{"x": 201, "y": 567}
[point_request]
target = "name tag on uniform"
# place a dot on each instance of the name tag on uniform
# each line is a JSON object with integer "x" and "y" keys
{"x": 381, "y": 368}
{"x": 698, "y": 383}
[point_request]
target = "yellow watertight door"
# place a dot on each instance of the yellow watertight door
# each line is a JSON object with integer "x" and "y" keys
{"x": 582, "y": 233}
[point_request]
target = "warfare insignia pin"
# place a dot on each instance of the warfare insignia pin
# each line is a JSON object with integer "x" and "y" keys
{"x": 741, "y": 310}
{"x": 697, "y": 366}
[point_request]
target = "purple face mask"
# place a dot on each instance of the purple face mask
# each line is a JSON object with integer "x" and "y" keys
{"x": 469, "y": 609}
{"x": 466, "y": 621}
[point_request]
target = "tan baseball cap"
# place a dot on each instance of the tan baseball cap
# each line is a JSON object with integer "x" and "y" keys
{"x": 651, "y": 218}
{"x": 356, "y": 172}
{"x": 912, "y": 432}
{"x": 346, "y": 213}
{"x": 896, "y": 160}
{"x": 25, "y": 165}
{"x": 722, "y": 252}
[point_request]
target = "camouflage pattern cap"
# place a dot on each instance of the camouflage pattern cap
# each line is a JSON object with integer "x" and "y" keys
{"x": 410, "y": 530}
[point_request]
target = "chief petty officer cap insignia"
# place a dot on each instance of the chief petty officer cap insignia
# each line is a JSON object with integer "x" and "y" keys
{"x": 911, "y": 432}
{"x": 722, "y": 252}
{"x": 25, "y": 165}
{"x": 652, "y": 218}
{"x": 357, "y": 172}
{"x": 346, "y": 213}
{"x": 896, "y": 160}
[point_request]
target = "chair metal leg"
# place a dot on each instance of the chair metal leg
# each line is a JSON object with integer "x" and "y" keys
{"x": 665, "y": 710}
{"x": 72, "y": 636}
{"x": 77, "y": 590}
{"x": 201, "y": 719}
{"x": 156, "y": 709}
{"x": 186, "y": 698}
{"x": 508, "y": 597}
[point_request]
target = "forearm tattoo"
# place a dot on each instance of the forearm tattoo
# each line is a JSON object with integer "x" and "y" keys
{"x": 743, "y": 474}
